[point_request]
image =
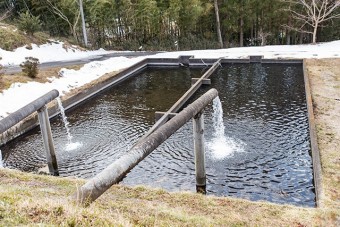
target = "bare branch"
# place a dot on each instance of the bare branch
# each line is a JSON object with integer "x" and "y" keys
{"x": 7, "y": 14}
{"x": 313, "y": 12}
{"x": 297, "y": 29}
{"x": 72, "y": 26}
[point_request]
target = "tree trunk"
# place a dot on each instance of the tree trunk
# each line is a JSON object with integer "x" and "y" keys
{"x": 241, "y": 31}
{"x": 218, "y": 24}
{"x": 288, "y": 37}
{"x": 315, "y": 32}
{"x": 252, "y": 34}
{"x": 288, "y": 31}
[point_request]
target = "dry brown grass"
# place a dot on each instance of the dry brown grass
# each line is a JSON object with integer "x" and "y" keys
{"x": 43, "y": 74}
{"x": 325, "y": 85}
{"x": 27, "y": 199}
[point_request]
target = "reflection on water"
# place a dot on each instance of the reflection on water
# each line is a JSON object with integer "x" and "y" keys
{"x": 263, "y": 106}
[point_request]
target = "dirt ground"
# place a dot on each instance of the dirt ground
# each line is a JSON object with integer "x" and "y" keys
{"x": 325, "y": 86}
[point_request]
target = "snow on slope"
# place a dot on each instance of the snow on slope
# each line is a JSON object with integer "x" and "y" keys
{"x": 20, "y": 94}
{"x": 53, "y": 51}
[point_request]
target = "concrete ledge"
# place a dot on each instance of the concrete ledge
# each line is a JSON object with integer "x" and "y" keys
{"x": 256, "y": 58}
{"x": 282, "y": 61}
{"x": 317, "y": 171}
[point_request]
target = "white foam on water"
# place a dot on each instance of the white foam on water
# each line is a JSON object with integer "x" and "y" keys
{"x": 220, "y": 146}
{"x": 73, "y": 146}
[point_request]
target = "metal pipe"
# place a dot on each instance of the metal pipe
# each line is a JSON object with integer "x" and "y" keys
{"x": 198, "y": 127}
{"x": 25, "y": 111}
{"x": 48, "y": 141}
{"x": 118, "y": 169}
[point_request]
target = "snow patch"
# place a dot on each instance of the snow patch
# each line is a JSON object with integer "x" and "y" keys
{"x": 53, "y": 51}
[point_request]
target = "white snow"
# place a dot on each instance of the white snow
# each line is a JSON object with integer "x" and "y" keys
{"x": 323, "y": 50}
{"x": 20, "y": 94}
{"x": 49, "y": 52}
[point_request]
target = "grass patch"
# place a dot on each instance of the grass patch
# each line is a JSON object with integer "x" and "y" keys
{"x": 27, "y": 199}
{"x": 43, "y": 74}
{"x": 12, "y": 38}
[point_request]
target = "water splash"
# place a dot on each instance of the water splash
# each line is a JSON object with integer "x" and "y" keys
{"x": 1, "y": 162}
{"x": 73, "y": 146}
{"x": 70, "y": 144}
{"x": 222, "y": 146}
{"x": 218, "y": 118}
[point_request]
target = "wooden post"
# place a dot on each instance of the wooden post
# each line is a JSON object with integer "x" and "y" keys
{"x": 48, "y": 141}
{"x": 198, "y": 124}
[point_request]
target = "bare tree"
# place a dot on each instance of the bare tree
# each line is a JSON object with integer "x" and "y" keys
{"x": 262, "y": 35}
{"x": 313, "y": 13}
{"x": 58, "y": 12}
{"x": 218, "y": 24}
{"x": 7, "y": 13}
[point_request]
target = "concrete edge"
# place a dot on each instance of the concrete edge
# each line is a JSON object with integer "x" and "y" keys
{"x": 317, "y": 170}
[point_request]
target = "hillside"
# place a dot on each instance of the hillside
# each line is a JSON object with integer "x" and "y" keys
{"x": 11, "y": 37}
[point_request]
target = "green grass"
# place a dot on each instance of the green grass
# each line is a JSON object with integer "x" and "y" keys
{"x": 28, "y": 199}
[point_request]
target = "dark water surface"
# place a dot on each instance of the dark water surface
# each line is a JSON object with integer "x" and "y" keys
{"x": 264, "y": 112}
